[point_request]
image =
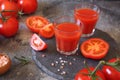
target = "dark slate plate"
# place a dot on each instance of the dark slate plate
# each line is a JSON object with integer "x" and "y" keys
{"x": 52, "y": 62}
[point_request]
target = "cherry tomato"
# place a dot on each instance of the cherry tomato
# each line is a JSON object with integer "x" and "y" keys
{"x": 35, "y": 23}
{"x": 27, "y": 6}
{"x": 83, "y": 75}
{"x": 9, "y": 8}
{"x": 94, "y": 48}
{"x": 9, "y": 27}
{"x": 37, "y": 43}
{"x": 47, "y": 31}
{"x": 110, "y": 72}
{"x": 5, "y": 63}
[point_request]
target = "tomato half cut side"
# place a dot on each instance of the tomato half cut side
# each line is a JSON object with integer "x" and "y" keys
{"x": 94, "y": 48}
{"x": 37, "y": 43}
{"x": 47, "y": 31}
{"x": 35, "y": 23}
{"x": 5, "y": 63}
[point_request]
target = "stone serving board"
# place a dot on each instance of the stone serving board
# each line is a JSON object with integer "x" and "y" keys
{"x": 64, "y": 67}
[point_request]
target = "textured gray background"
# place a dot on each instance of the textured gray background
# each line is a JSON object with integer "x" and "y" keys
{"x": 19, "y": 45}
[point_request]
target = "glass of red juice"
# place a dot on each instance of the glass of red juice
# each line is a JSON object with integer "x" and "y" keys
{"x": 67, "y": 34}
{"x": 88, "y": 13}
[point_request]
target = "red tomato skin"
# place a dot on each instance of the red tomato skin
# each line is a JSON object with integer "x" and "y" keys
{"x": 27, "y": 7}
{"x": 9, "y": 6}
{"x": 14, "y": 0}
{"x": 80, "y": 76}
{"x": 9, "y": 27}
{"x": 2, "y": 1}
{"x": 37, "y": 43}
{"x": 110, "y": 72}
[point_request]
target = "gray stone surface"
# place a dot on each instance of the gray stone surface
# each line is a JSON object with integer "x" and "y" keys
{"x": 19, "y": 45}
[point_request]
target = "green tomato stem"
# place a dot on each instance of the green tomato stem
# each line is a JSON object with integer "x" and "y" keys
{"x": 96, "y": 68}
{"x": 22, "y": 59}
{"x": 115, "y": 64}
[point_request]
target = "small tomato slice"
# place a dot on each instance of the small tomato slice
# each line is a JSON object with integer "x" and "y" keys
{"x": 94, "y": 48}
{"x": 5, "y": 63}
{"x": 37, "y": 43}
{"x": 35, "y": 23}
{"x": 47, "y": 31}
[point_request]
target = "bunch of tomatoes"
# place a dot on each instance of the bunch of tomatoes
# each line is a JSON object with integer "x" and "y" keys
{"x": 109, "y": 71}
{"x": 9, "y": 14}
{"x": 9, "y": 23}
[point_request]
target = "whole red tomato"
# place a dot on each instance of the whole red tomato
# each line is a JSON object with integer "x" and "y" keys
{"x": 27, "y": 6}
{"x": 2, "y": 1}
{"x": 83, "y": 75}
{"x": 9, "y": 8}
{"x": 110, "y": 72}
{"x": 9, "y": 27}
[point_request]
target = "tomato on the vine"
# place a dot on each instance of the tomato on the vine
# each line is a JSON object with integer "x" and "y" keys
{"x": 27, "y": 6}
{"x": 35, "y": 23}
{"x": 110, "y": 72}
{"x": 47, "y": 31}
{"x": 9, "y": 8}
{"x": 84, "y": 75}
{"x": 9, "y": 27}
{"x": 5, "y": 63}
{"x": 37, "y": 43}
{"x": 94, "y": 48}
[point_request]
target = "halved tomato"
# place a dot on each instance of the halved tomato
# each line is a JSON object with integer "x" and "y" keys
{"x": 94, "y": 48}
{"x": 5, "y": 63}
{"x": 47, "y": 31}
{"x": 37, "y": 43}
{"x": 35, "y": 23}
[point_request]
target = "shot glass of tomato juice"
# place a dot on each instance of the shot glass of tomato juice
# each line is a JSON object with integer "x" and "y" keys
{"x": 88, "y": 13}
{"x": 67, "y": 34}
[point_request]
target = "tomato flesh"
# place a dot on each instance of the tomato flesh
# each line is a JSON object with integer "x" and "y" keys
{"x": 37, "y": 43}
{"x": 47, "y": 31}
{"x": 35, "y": 23}
{"x": 94, "y": 48}
{"x": 5, "y": 63}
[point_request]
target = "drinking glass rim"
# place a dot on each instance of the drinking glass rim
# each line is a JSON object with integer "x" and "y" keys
{"x": 68, "y": 16}
{"x": 79, "y": 30}
{"x": 89, "y": 4}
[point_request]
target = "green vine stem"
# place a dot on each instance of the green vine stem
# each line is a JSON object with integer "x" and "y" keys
{"x": 96, "y": 68}
{"x": 115, "y": 64}
{"x": 22, "y": 59}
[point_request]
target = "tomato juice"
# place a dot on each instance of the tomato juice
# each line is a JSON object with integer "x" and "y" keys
{"x": 67, "y": 37}
{"x": 88, "y": 17}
